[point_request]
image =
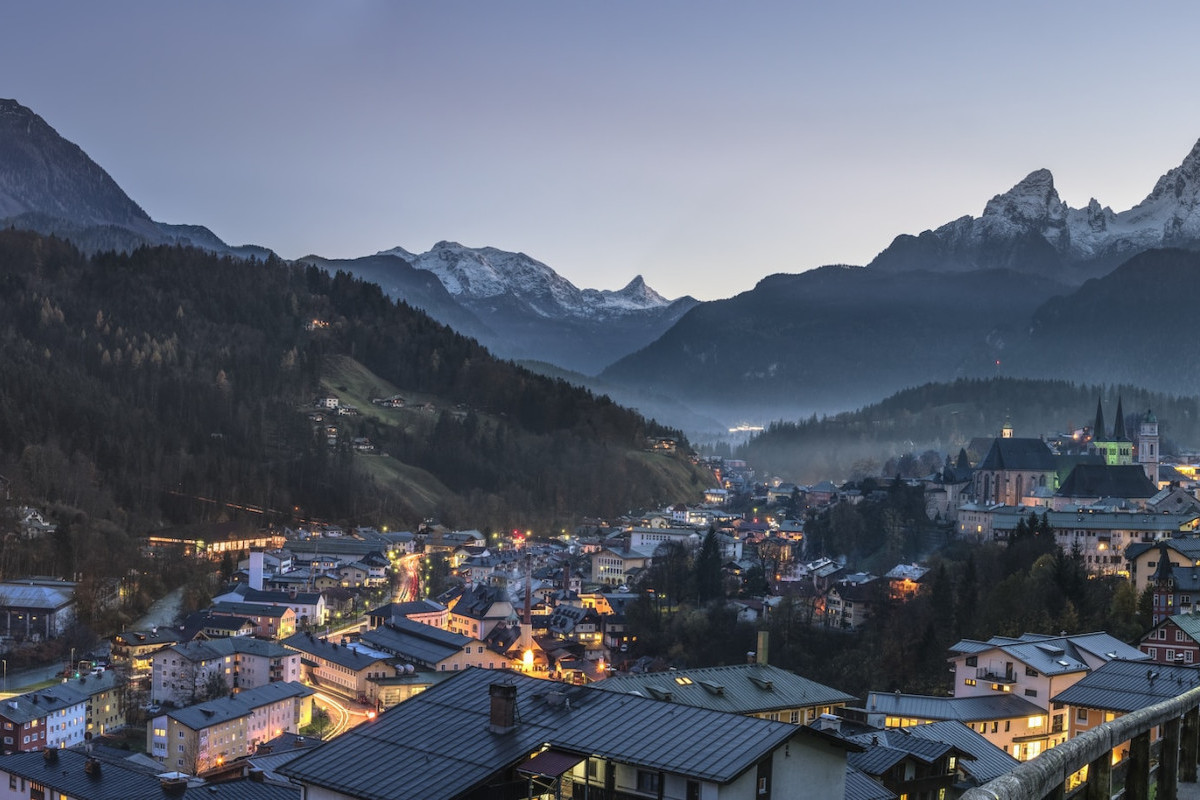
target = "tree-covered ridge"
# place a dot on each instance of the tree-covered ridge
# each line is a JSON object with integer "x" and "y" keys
{"x": 133, "y": 379}
{"x": 946, "y": 416}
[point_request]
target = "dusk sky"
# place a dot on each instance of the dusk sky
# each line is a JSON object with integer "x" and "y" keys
{"x": 703, "y": 145}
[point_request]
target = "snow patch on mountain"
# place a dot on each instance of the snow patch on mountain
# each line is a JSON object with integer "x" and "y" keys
{"x": 1169, "y": 216}
{"x": 486, "y": 274}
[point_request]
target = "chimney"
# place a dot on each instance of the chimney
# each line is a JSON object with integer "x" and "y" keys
{"x": 762, "y": 647}
{"x": 256, "y": 570}
{"x": 504, "y": 708}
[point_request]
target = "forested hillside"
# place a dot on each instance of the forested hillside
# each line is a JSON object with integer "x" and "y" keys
{"x": 946, "y": 416}
{"x": 134, "y": 384}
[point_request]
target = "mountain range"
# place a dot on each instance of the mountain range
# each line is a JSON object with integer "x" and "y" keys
{"x": 1030, "y": 287}
{"x": 517, "y": 306}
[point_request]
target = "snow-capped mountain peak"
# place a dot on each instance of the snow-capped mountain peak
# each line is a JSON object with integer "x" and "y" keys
{"x": 486, "y": 275}
{"x": 1016, "y": 227}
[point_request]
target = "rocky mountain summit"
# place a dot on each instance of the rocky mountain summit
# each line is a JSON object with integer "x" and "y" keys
{"x": 1030, "y": 229}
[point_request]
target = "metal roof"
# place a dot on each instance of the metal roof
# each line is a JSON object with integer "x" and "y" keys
{"x": 860, "y": 786}
{"x": 886, "y": 748}
{"x": 988, "y": 762}
{"x": 204, "y": 649}
{"x": 416, "y": 642}
{"x": 66, "y": 775}
{"x": 38, "y": 596}
{"x": 214, "y": 712}
{"x": 1125, "y": 686}
{"x": 963, "y": 709}
{"x": 438, "y": 743}
{"x": 352, "y": 657}
{"x": 37, "y": 704}
{"x": 1055, "y": 655}
{"x": 738, "y": 688}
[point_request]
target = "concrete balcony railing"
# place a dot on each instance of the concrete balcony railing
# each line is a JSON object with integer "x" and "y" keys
{"x": 1047, "y": 776}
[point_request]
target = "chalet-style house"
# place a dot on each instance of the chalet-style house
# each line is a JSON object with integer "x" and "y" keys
{"x": 1173, "y": 640}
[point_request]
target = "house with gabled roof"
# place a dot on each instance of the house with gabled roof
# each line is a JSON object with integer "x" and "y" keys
{"x": 1122, "y": 687}
{"x": 1145, "y": 558}
{"x": 1003, "y": 720}
{"x": 908, "y": 765}
{"x": 1035, "y": 667}
{"x": 206, "y": 735}
{"x": 760, "y": 690}
{"x": 478, "y": 736}
{"x": 434, "y": 649}
{"x": 181, "y": 672}
{"x": 345, "y": 668}
{"x": 987, "y": 761}
{"x": 1174, "y": 640}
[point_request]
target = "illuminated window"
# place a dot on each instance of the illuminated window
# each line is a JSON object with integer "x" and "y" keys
{"x": 1036, "y": 722}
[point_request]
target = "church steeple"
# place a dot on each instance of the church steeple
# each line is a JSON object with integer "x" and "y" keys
{"x": 1098, "y": 434}
{"x": 1119, "y": 425}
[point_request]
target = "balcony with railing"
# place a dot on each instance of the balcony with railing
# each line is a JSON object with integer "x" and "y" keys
{"x": 1083, "y": 767}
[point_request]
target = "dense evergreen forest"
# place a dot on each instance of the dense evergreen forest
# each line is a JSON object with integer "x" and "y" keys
{"x": 944, "y": 417}
{"x": 167, "y": 385}
{"x": 1027, "y": 584}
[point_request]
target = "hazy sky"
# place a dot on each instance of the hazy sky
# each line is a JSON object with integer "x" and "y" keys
{"x": 700, "y": 144}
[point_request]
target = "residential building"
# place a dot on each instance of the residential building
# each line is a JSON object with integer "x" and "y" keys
{"x": 1004, "y": 720}
{"x": 476, "y": 611}
{"x": 1143, "y": 558}
{"x": 1035, "y": 667}
{"x": 200, "y": 737}
{"x": 1122, "y": 687}
{"x": 183, "y": 672}
{"x": 51, "y": 717}
{"x": 134, "y": 648}
{"x": 270, "y": 621}
{"x": 310, "y": 607}
{"x": 78, "y": 776}
{"x": 1173, "y": 640}
{"x": 757, "y": 690}
{"x": 433, "y": 649}
{"x": 345, "y": 669}
{"x": 566, "y": 741}
{"x": 616, "y": 566}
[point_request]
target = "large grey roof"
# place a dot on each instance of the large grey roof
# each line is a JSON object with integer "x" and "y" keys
{"x": 213, "y": 712}
{"x": 738, "y": 688}
{"x": 37, "y": 704}
{"x": 1187, "y": 546}
{"x": 1024, "y": 454}
{"x": 116, "y": 781}
{"x": 415, "y": 641}
{"x": 1055, "y": 655}
{"x": 1108, "y": 480}
{"x": 1126, "y": 686}
{"x": 35, "y": 595}
{"x": 345, "y": 656}
{"x": 989, "y": 760}
{"x": 963, "y": 709}
{"x": 448, "y": 749}
{"x": 204, "y": 649}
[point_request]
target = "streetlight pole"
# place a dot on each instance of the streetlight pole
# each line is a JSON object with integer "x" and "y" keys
{"x": 5, "y": 661}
